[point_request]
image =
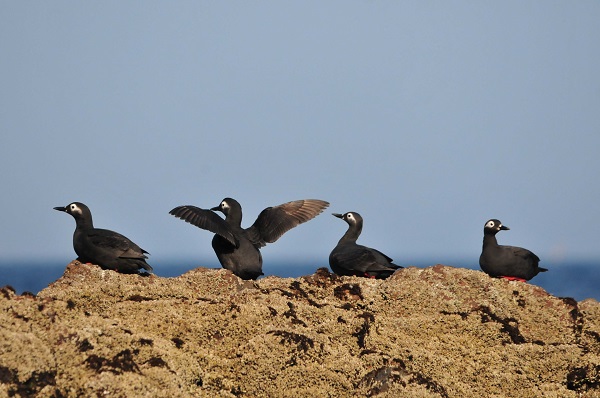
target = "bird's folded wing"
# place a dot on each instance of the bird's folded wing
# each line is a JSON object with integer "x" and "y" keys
{"x": 358, "y": 259}
{"x": 523, "y": 253}
{"x": 388, "y": 259}
{"x": 111, "y": 240}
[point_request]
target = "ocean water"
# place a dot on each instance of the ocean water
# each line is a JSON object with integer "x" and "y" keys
{"x": 578, "y": 280}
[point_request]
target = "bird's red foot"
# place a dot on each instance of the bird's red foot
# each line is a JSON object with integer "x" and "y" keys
{"x": 513, "y": 278}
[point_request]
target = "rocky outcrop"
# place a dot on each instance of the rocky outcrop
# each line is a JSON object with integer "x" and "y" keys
{"x": 433, "y": 332}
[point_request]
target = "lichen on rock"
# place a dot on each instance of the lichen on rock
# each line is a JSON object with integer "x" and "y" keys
{"x": 433, "y": 332}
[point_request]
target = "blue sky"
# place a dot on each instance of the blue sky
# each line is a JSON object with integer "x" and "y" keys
{"x": 427, "y": 118}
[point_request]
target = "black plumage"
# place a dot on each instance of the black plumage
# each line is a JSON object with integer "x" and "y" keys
{"x": 508, "y": 262}
{"x": 108, "y": 249}
{"x": 237, "y": 248}
{"x": 350, "y": 258}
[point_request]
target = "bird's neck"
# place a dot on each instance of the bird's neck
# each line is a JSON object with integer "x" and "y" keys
{"x": 489, "y": 240}
{"x": 84, "y": 223}
{"x": 234, "y": 219}
{"x": 351, "y": 234}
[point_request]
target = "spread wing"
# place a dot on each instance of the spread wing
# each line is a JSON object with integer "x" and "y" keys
{"x": 111, "y": 240}
{"x": 274, "y": 221}
{"x": 205, "y": 219}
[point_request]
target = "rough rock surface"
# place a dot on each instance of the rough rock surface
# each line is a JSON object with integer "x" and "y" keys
{"x": 433, "y": 332}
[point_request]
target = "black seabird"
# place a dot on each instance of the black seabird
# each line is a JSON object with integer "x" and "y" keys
{"x": 237, "y": 248}
{"x": 509, "y": 262}
{"x": 108, "y": 249}
{"x": 349, "y": 258}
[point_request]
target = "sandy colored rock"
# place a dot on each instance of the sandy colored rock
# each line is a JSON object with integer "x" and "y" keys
{"x": 433, "y": 332}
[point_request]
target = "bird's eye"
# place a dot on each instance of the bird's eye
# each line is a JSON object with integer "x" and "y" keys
{"x": 73, "y": 206}
{"x": 490, "y": 224}
{"x": 349, "y": 216}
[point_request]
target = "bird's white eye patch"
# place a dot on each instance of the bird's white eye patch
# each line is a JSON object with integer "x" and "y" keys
{"x": 349, "y": 216}
{"x": 490, "y": 224}
{"x": 224, "y": 205}
{"x": 74, "y": 208}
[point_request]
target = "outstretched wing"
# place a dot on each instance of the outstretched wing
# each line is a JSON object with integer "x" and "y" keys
{"x": 274, "y": 221}
{"x": 205, "y": 219}
{"x": 106, "y": 239}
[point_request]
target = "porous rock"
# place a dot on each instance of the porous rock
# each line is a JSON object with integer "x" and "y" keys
{"x": 433, "y": 332}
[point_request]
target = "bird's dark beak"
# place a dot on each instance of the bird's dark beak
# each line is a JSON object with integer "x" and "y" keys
{"x": 504, "y": 228}
{"x": 216, "y": 208}
{"x": 61, "y": 208}
{"x": 338, "y": 215}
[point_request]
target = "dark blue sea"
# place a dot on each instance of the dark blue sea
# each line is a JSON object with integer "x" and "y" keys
{"x": 578, "y": 280}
